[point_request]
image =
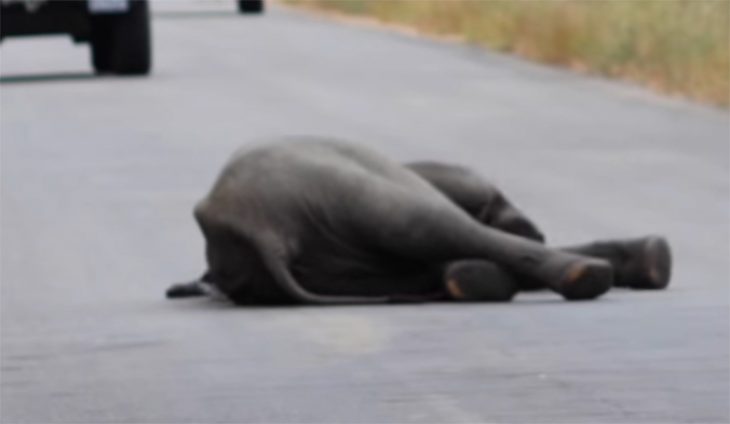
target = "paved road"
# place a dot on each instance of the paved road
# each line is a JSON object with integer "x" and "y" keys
{"x": 99, "y": 176}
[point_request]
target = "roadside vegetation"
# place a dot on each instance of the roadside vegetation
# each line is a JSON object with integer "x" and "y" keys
{"x": 675, "y": 46}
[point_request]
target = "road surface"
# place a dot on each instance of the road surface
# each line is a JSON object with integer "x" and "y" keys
{"x": 99, "y": 177}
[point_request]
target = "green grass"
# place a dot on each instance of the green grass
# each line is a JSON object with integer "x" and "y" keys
{"x": 676, "y": 46}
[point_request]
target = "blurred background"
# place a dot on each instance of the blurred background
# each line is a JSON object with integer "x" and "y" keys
{"x": 599, "y": 119}
{"x": 678, "y": 47}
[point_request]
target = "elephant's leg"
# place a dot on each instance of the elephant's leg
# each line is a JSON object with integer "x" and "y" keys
{"x": 643, "y": 263}
{"x": 486, "y": 203}
{"x": 640, "y": 263}
{"x": 478, "y": 280}
{"x": 425, "y": 226}
{"x": 478, "y": 198}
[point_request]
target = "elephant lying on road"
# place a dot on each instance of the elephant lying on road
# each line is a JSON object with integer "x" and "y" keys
{"x": 316, "y": 221}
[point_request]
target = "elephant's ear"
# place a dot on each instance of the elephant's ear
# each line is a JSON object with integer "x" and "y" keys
{"x": 278, "y": 266}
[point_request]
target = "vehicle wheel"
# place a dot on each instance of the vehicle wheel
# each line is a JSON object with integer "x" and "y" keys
{"x": 121, "y": 43}
{"x": 100, "y": 50}
{"x": 250, "y": 6}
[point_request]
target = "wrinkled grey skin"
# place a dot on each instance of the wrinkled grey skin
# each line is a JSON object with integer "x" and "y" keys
{"x": 317, "y": 221}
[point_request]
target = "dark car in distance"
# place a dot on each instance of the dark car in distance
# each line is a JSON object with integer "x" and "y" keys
{"x": 118, "y": 31}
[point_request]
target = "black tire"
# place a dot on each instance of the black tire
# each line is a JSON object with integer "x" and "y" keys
{"x": 100, "y": 51}
{"x": 121, "y": 43}
{"x": 251, "y": 6}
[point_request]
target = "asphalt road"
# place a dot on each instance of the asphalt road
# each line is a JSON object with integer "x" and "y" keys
{"x": 99, "y": 176}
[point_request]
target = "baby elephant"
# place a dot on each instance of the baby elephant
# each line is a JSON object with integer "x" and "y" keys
{"x": 325, "y": 222}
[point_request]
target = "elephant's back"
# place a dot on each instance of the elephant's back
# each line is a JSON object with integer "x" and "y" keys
{"x": 300, "y": 154}
{"x": 310, "y": 168}
{"x": 313, "y": 189}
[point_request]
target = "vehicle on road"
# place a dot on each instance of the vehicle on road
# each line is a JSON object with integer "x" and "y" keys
{"x": 251, "y": 6}
{"x": 118, "y": 31}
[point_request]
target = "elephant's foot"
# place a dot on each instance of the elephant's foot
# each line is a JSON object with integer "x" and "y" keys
{"x": 647, "y": 263}
{"x": 585, "y": 279}
{"x": 479, "y": 281}
{"x": 641, "y": 263}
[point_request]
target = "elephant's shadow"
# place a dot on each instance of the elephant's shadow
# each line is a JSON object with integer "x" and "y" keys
{"x": 532, "y": 298}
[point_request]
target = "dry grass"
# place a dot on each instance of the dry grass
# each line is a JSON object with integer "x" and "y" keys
{"x": 676, "y": 46}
